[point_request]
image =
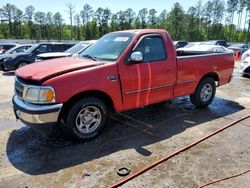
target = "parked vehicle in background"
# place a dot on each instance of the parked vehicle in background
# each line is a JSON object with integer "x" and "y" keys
{"x": 123, "y": 70}
{"x": 6, "y": 46}
{"x": 180, "y": 44}
{"x": 240, "y": 48}
{"x": 190, "y": 45}
{"x": 245, "y": 67}
{"x": 217, "y": 42}
{"x": 73, "y": 51}
{"x": 245, "y": 54}
{"x": 203, "y": 48}
{"x": 17, "y": 49}
{"x": 14, "y": 61}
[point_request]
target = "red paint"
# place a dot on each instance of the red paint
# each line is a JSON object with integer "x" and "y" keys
{"x": 167, "y": 79}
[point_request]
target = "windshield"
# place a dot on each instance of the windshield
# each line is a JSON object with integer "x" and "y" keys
{"x": 32, "y": 48}
{"x": 16, "y": 49}
{"x": 77, "y": 48}
{"x": 109, "y": 47}
{"x": 11, "y": 50}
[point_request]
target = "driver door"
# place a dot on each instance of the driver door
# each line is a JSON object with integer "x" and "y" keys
{"x": 151, "y": 80}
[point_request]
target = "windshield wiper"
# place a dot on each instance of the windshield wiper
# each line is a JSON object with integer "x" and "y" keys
{"x": 90, "y": 57}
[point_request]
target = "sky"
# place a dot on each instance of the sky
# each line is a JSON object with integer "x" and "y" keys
{"x": 114, "y": 5}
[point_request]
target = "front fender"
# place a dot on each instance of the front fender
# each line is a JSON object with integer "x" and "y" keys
{"x": 73, "y": 83}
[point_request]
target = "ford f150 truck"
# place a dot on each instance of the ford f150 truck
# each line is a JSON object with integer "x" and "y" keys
{"x": 123, "y": 70}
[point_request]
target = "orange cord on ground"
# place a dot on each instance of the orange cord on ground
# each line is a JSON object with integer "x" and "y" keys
{"x": 174, "y": 154}
{"x": 226, "y": 178}
{"x": 77, "y": 183}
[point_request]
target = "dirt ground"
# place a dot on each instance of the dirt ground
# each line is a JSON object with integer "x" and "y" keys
{"x": 30, "y": 159}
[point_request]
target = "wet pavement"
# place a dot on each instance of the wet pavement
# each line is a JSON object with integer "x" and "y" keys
{"x": 31, "y": 159}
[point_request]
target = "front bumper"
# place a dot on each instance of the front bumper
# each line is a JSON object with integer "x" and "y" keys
{"x": 245, "y": 69}
{"x": 36, "y": 115}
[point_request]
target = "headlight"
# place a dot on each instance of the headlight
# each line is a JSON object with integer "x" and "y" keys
{"x": 42, "y": 94}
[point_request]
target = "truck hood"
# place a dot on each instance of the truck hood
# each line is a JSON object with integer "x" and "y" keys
{"x": 45, "y": 70}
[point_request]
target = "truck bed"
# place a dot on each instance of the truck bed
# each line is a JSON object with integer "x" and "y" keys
{"x": 219, "y": 64}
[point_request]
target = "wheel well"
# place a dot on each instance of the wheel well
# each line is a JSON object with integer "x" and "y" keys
{"x": 22, "y": 61}
{"x": 212, "y": 75}
{"x": 98, "y": 94}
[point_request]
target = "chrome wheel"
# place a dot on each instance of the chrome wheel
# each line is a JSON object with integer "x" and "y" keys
{"x": 88, "y": 119}
{"x": 206, "y": 92}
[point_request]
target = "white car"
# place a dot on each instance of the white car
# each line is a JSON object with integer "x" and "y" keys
{"x": 190, "y": 45}
{"x": 206, "y": 48}
{"x": 245, "y": 54}
{"x": 245, "y": 66}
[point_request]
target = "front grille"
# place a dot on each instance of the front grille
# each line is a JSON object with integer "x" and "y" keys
{"x": 19, "y": 88}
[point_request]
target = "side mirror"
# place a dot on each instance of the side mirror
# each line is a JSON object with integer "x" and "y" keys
{"x": 136, "y": 57}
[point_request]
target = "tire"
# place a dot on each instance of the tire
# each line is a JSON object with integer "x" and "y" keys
{"x": 204, "y": 93}
{"x": 78, "y": 128}
{"x": 3, "y": 68}
{"x": 246, "y": 75}
{"x": 21, "y": 64}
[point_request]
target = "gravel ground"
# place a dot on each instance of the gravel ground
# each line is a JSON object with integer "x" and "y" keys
{"x": 30, "y": 159}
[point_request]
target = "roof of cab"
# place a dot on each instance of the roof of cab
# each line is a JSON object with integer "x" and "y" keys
{"x": 138, "y": 31}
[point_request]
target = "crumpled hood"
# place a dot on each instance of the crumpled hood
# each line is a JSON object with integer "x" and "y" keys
{"x": 44, "y": 70}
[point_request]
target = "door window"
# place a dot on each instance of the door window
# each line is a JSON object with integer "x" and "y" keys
{"x": 20, "y": 49}
{"x": 152, "y": 49}
{"x": 42, "y": 48}
{"x": 56, "y": 47}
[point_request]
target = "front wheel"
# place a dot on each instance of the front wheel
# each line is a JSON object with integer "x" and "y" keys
{"x": 3, "y": 68}
{"x": 204, "y": 93}
{"x": 86, "y": 119}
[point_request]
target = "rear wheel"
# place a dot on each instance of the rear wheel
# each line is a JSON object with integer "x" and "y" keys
{"x": 246, "y": 75}
{"x": 86, "y": 119}
{"x": 204, "y": 93}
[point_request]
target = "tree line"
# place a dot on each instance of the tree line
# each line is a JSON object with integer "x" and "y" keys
{"x": 215, "y": 19}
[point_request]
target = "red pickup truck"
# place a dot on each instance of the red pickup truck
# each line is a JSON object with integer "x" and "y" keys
{"x": 123, "y": 70}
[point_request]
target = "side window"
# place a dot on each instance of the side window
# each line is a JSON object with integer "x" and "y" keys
{"x": 56, "y": 47}
{"x": 152, "y": 49}
{"x": 27, "y": 47}
{"x": 66, "y": 46}
{"x": 42, "y": 48}
{"x": 20, "y": 49}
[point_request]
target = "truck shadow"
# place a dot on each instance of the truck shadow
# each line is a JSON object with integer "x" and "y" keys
{"x": 34, "y": 154}
{"x": 10, "y": 73}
